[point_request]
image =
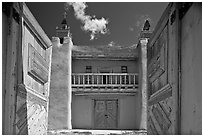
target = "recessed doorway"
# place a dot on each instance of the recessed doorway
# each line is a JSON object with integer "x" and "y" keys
{"x": 105, "y": 114}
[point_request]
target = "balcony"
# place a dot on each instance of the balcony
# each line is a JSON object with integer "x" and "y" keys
{"x": 104, "y": 82}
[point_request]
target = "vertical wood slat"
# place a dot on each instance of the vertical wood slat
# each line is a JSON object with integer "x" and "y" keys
{"x": 92, "y": 76}
{"x": 111, "y": 79}
{"x": 125, "y": 79}
{"x": 83, "y": 80}
{"x": 106, "y": 79}
{"x": 116, "y": 79}
{"x": 74, "y": 79}
{"x": 97, "y": 79}
{"x": 88, "y": 79}
{"x": 78, "y": 79}
{"x": 134, "y": 79}
{"x": 101, "y": 79}
{"x": 120, "y": 79}
{"x": 129, "y": 79}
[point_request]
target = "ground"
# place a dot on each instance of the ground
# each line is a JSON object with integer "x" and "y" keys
{"x": 96, "y": 132}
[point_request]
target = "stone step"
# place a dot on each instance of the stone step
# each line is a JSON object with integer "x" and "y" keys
{"x": 96, "y": 132}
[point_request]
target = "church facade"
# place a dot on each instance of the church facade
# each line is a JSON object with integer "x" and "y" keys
{"x": 104, "y": 84}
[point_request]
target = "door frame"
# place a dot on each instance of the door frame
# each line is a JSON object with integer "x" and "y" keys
{"x": 93, "y": 111}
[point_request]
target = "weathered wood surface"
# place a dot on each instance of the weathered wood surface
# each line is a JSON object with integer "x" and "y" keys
{"x": 25, "y": 96}
{"x": 162, "y": 76}
{"x": 9, "y": 46}
{"x": 35, "y": 85}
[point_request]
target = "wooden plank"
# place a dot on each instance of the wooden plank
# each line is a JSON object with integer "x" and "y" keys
{"x": 151, "y": 127}
{"x": 10, "y": 91}
{"x": 155, "y": 122}
{"x": 173, "y": 65}
{"x": 161, "y": 94}
{"x": 161, "y": 118}
{"x": 37, "y": 67}
{"x": 160, "y": 25}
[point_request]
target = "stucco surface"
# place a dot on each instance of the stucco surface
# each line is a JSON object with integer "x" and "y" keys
{"x": 191, "y": 71}
{"x": 129, "y": 112}
{"x": 57, "y": 117}
{"x": 106, "y": 65}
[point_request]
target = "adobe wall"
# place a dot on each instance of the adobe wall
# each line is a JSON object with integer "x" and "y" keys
{"x": 191, "y": 71}
{"x": 79, "y": 66}
{"x": 57, "y": 117}
{"x": 128, "y": 112}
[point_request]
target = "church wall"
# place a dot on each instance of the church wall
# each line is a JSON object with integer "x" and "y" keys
{"x": 82, "y": 112}
{"x": 128, "y": 111}
{"x": 79, "y": 66}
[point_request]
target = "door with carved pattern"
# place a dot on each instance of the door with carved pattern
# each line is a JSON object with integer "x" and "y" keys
{"x": 105, "y": 114}
{"x": 163, "y": 75}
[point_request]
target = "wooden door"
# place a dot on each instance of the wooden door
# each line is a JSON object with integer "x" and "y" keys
{"x": 34, "y": 80}
{"x": 105, "y": 114}
{"x": 27, "y": 56}
{"x": 163, "y": 75}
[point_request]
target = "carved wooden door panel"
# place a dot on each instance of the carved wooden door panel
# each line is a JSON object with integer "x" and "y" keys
{"x": 100, "y": 110}
{"x": 162, "y": 74}
{"x": 33, "y": 90}
{"x": 111, "y": 114}
{"x": 105, "y": 114}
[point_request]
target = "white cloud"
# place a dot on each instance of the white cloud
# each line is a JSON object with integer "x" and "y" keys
{"x": 91, "y": 24}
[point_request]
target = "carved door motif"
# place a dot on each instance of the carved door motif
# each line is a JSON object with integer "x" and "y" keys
{"x": 105, "y": 114}
{"x": 163, "y": 81}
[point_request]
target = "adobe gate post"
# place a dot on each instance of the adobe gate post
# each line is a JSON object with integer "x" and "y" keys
{"x": 142, "y": 47}
{"x": 61, "y": 85}
{"x": 69, "y": 44}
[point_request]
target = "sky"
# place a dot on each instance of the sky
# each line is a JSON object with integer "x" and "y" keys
{"x": 99, "y": 23}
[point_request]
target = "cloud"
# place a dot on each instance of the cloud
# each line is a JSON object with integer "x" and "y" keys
{"x": 90, "y": 23}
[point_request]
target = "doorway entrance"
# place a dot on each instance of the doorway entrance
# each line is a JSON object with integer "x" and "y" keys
{"x": 105, "y": 114}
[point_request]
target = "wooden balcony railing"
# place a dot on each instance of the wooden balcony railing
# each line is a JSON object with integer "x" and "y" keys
{"x": 98, "y": 80}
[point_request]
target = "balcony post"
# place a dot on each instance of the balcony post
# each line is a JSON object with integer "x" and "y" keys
{"x": 97, "y": 79}
{"x": 78, "y": 79}
{"x": 120, "y": 78}
{"x": 106, "y": 79}
{"x": 88, "y": 79}
{"x": 74, "y": 76}
{"x": 129, "y": 79}
{"x": 111, "y": 79}
{"x": 92, "y": 79}
{"x": 116, "y": 80}
{"x": 83, "y": 80}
